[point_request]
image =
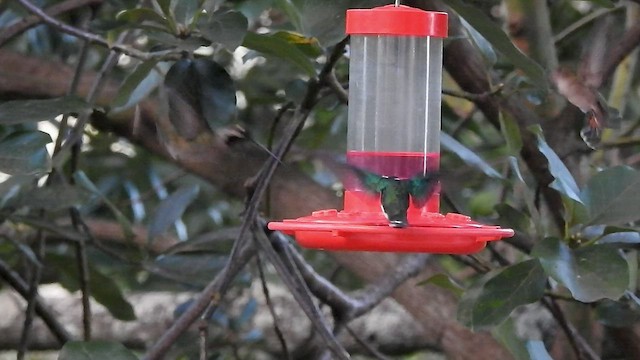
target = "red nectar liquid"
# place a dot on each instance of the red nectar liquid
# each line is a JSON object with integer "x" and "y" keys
{"x": 403, "y": 165}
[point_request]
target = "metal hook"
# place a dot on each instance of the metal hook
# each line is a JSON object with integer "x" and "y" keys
{"x": 397, "y": 3}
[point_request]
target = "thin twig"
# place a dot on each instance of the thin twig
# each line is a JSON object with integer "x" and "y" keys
{"x": 203, "y": 331}
{"x": 336, "y": 87}
{"x": 28, "y": 22}
{"x": 347, "y": 306}
{"x": 581, "y": 348}
{"x": 627, "y": 43}
{"x": 32, "y": 294}
{"x": 292, "y": 278}
{"x": 234, "y": 262}
{"x": 272, "y": 310}
{"x": 83, "y": 272}
{"x": 473, "y": 97}
{"x": 17, "y": 283}
{"x": 97, "y": 39}
{"x": 584, "y": 21}
{"x": 209, "y": 294}
{"x": 76, "y": 220}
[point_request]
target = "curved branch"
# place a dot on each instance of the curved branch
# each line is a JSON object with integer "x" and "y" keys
{"x": 16, "y": 282}
{"x": 629, "y": 41}
{"x": 28, "y": 22}
{"x": 93, "y": 38}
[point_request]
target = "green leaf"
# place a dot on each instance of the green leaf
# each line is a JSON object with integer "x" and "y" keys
{"x": 445, "y": 282}
{"x": 165, "y": 7}
{"x": 490, "y": 301}
{"x": 511, "y": 133}
{"x": 219, "y": 242}
{"x": 171, "y": 209}
{"x": 467, "y": 155}
{"x": 618, "y": 314}
{"x": 590, "y": 273}
{"x": 10, "y": 189}
{"x": 612, "y": 196}
{"x": 23, "y": 111}
{"x": 95, "y": 350}
{"x": 103, "y": 289}
{"x": 564, "y": 181}
{"x": 309, "y": 46}
{"x": 277, "y": 46}
{"x": 621, "y": 238}
{"x": 138, "y": 16}
{"x": 185, "y": 10}
{"x": 513, "y": 218}
{"x": 25, "y": 153}
{"x": 54, "y": 197}
{"x": 226, "y": 27}
{"x": 292, "y": 12}
{"x": 136, "y": 86}
{"x": 325, "y": 20}
{"x": 506, "y": 334}
{"x": 500, "y": 41}
{"x": 83, "y": 180}
{"x": 200, "y": 91}
{"x": 481, "y": 43}
{"x": 604, "y": 3}
{"x": 193, "y": 268}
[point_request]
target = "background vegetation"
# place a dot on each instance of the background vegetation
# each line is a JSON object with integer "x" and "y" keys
{"x": 126, "y": 175}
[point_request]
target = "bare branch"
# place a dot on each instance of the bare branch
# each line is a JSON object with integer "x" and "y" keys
{"x": 629, "y": 41}
{"x": 345, "y": 306}
{"x": 28, "y": 22}
{"x": 213, "y": 290}
{"x": 16, "y": 282}
{"x": 296, "y": 284}
{"x": 31, "y": 294}
{"x": 93, "y": 38}
{"x": 272, "y": 310}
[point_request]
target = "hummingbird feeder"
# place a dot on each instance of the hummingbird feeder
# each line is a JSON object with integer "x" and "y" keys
{"x": 395, "y": 80}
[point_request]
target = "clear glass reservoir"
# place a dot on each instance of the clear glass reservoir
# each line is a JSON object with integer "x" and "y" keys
{"x": 395, "y": 84}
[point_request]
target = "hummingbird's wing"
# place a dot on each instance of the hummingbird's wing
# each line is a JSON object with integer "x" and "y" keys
{"x": 421, "y": 187}
{"x": 370, "y": 181}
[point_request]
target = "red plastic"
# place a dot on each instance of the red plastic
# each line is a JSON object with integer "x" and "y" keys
{"x": 353, "y": 231}
{"x": 396, "y": 20}
{"x": 401, "y": 164}
{"x": 362, "y": 226}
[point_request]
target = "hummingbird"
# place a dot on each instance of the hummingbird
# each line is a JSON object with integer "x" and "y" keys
{"x": 598, "y": 114}
{"x": 397, "y": 194}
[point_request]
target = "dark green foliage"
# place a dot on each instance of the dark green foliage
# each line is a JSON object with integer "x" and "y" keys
{"x": 200, "y": 92}
{"x": 491, "y": 299}
{"x": 212, "y": 64}
{"x": 95, "y": 350}
{"x": 590, "y": 273}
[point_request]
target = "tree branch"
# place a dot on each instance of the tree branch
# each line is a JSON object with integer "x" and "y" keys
{"x": 93, "y": 38}
{"x": 629, "y": 41}
{"x": 293, "y": 192}
{"x": 212, "y": 291}
{"x": 28, "y": 22}
{"x": 293, "y": 280}
{"x": 16, "y": 282}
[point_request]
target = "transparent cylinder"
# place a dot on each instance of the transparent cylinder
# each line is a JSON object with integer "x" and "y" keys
{"x": 395, "y": 85}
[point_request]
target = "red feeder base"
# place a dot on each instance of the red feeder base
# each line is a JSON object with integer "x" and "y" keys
{"x": 367, "y": 231}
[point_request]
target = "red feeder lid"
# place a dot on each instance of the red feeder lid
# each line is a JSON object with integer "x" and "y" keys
{"x": 361, "y": 231}
{"x": 396, "y": 20}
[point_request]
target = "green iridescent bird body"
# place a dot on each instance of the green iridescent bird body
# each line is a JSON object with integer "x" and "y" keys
{"x": 396, "y": 194}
